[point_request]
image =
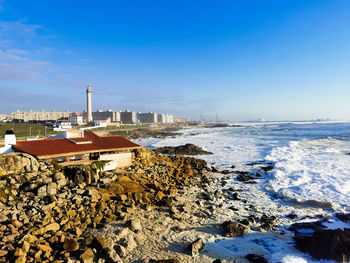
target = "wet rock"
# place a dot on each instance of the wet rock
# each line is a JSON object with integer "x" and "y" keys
{"x": 235, "y": 196}
{"x": 245, "y": 178}
{"x": 299, "y": 227}
{"x": 233, "y": 229}
{"x": 343, "y": 217}
{"x": 326, "y": 244}
{"x": 187, "y": 149}
{"x": 266, "y": 168}
{"x": 252, "y": 258}
{"x": 195, "y": 247}
{"x": 214, "y": 170}
{"x": 292, "y": 216}
{"x": 225, "y": 172}
{"x": 267, "y": 223}
{"x": 217, "y": 261}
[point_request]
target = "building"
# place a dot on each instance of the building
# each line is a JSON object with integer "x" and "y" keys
{"x": 38, "y": 116}
{"x": 80, "y": 147}
{"x": 149, "y": 117}
{"x": 102, "y": 123}
{"x": 76, "y": 119}
{"x": 179, "y": 120}
{"x": 128, "y": 117}
{"x": 161, "y": 118}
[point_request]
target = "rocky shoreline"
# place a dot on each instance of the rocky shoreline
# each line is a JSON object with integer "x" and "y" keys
{"x": 45, "y": 213}
{"x": 162, "y": 209}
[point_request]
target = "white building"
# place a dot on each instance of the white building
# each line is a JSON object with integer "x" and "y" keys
{"x": 76, "y": 119}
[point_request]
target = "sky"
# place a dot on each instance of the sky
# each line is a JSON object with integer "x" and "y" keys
{"x": 235, "y": 59}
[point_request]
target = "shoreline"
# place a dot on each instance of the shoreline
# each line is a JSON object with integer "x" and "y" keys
{"x": 143, "y": 232}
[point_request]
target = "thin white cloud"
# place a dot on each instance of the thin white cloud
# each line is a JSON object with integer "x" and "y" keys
{"x": 18, "y": 28}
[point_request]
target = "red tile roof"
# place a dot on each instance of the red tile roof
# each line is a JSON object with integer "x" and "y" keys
{"x": 49, "y": 148}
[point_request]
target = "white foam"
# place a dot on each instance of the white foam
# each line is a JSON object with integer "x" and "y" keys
{"x": 312, "y": 170}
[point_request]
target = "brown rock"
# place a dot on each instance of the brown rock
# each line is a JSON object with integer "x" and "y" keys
{"x": 195, "y": 247}
{"x": 232, "y": 229}
{"x": 71, "y": 244}
{"x": 87, "y": 256}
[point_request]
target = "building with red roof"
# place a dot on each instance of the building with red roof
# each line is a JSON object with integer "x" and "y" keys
{"x": 76, "y": 146}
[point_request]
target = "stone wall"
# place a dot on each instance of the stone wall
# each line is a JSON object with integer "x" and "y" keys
{"x": 14, "y": 163}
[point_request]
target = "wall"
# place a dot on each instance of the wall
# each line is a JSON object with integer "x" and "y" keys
{"x": 122, "y": 159}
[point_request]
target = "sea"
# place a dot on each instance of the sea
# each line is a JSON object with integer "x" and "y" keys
{"x": 311, "y": 167}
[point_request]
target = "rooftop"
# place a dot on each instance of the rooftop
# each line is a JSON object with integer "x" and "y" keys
{"x": 90, "y": 143}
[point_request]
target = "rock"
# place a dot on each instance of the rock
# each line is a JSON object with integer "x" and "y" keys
{"x": 51, "y": 227}
{"x": 129, "y": 243}
{"x": 266, "y": 168}
{"x": 326, "y": 244}
{"x": 195, "y": 247}
{"x": 343, "y": 217}
{"x": 233, "y": 229}
{"x": 87, "y": 256}
{"x": 292, "y": 216}
{"x": 187, "y": 149}
{"x": 71, "y": 244}
{"x": 217, "y": 261}
{"x": 120, "y": 250}
{"x": 252, "y": 258}
{"x": 245, "y": 178}
{"x": 134, "y": 225}
{"x": 42, "y": 191}
{"x": 235, "y": 196}
{"x": 226, "y": 172}
{"x": 214, "y": 170}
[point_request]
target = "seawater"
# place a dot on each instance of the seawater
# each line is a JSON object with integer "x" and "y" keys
{"x": 311, "y": 158}
{"x": 312, "y": 167}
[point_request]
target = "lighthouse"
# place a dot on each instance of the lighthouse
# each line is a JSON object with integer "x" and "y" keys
{"x": 88, "y": 105}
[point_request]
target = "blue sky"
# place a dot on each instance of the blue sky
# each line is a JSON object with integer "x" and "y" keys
{"x": 242, "y": 60}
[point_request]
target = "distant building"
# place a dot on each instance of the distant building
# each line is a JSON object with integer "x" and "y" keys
{"x": 165, "y": 118}
{"x": 102, "y": 123}
{"x": 38, "y": 116}
{"x": 179, "y": 120}
{"x": 76, "y": 119}
{"x": 128, "y": 117}
{"x": 149, "y": 117}
{"x": 161, "y": 118}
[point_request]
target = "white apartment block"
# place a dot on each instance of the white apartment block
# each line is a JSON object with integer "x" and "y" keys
{"x": 27, "y": 116}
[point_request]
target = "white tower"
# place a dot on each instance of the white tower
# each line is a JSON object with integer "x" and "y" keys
{"x": 89, "y": 107}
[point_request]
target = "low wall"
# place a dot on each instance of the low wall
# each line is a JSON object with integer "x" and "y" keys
{"x": 121, "y": 159}
{"x": 14, "y": 163}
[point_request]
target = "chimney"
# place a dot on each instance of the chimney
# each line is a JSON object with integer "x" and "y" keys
{"x": 10, "y": 138}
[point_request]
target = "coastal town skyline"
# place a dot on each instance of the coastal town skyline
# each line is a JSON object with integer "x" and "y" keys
{"x": 273, "y": 60}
